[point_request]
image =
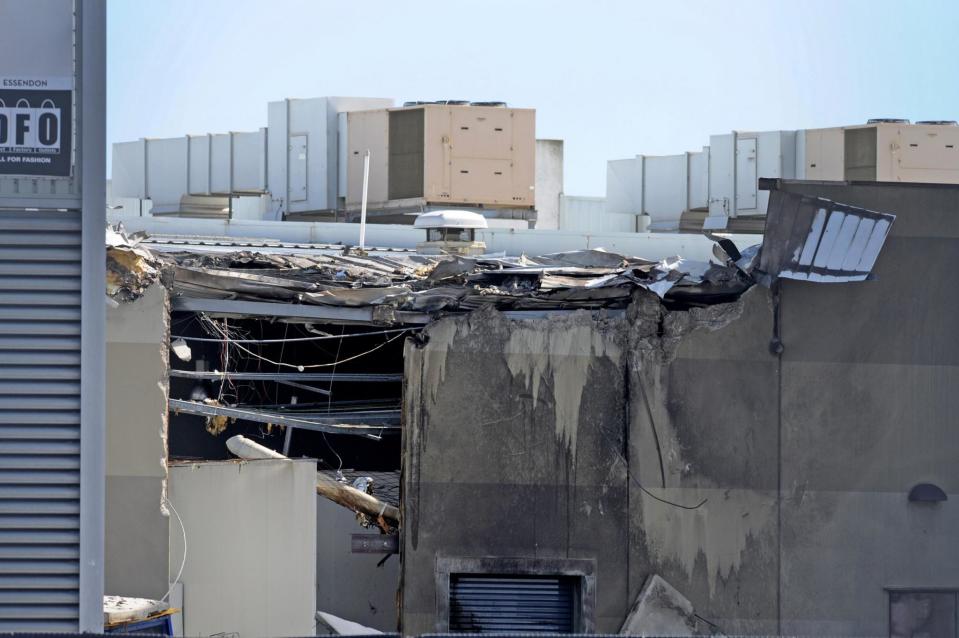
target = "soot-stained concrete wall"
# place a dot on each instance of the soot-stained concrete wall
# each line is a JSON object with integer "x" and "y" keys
{"x": 703, "y": 409}
{"x": 514, "y": 447}
{"x": 786, "y": 475}
{"x": 556, "y": 437}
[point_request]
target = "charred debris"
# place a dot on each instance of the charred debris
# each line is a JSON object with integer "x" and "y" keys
{"x": 297, "y": 350}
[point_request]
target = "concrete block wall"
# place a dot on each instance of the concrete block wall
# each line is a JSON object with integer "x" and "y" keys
{"x": 137, "y": 543}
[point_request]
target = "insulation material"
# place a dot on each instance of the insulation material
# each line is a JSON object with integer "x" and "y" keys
{"x": 130, "y": 268}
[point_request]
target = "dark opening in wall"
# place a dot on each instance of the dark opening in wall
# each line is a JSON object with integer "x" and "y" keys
{"x": 284, "y": 368}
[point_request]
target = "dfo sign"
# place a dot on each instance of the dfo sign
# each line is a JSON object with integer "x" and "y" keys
{"x": 35, "y": 127}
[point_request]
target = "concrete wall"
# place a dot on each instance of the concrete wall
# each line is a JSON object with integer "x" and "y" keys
{"x": 703, "y": 406}
{"x": 137, "y": 532}
{"x": 786, "y": 475}
{"x": 549, "y": 182}
{"x": 513, "y": 442}
{"x": 350, "y": 585}
{"x": 869, "y": 375}
{"x": 251, "y": 546}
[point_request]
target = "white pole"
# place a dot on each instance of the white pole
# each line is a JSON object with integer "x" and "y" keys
{"x": 366, "y": 186}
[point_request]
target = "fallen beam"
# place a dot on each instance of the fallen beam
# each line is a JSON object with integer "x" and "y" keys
{"x": 375, "y": 422}
{"x": 341, "y": 494}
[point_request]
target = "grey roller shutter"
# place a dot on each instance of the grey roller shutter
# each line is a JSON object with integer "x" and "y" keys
{"x": 524, "y": 604}
{"x": 39, "y": 420}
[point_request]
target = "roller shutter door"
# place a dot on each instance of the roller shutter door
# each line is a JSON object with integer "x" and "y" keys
{"x": 524, "y": 604}
{"x": 39, "y": 420}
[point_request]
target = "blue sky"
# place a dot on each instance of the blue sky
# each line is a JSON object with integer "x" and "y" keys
{"x": 612, "y": 78}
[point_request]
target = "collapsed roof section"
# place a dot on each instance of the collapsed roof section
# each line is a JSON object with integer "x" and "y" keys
{"x": 413, "y": 288}
{"x": 806, "y": 238}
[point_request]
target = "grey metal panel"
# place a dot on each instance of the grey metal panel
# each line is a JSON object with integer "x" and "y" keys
{"x": 528, "y": 604}
{"x": 40, "y": 406}
{"x": 407, "y": 154}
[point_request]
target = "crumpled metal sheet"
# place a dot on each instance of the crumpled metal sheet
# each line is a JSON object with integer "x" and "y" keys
{"x": 131, "y": 268}
{"x": 815, "y": 239}
{"x": 583, "y": 258}
{"x": 409, "y": 282}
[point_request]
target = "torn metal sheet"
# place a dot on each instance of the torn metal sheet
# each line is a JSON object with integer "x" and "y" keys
{"x": 596, "y": 258}
{"x": 815, "y": 239}
{"x": 131, "y": 268}
{"x": 407, "y": 288}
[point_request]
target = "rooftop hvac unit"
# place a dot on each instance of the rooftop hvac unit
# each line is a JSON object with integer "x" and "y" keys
{"x": 736, "y": 162}
{"x": 887, "y": 120}
{"x": 897, "y": 152}
{"x": 938, "y": 122}
{"x": 441, "y": 154}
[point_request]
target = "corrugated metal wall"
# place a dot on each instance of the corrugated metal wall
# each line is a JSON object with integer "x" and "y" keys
{"x": 39, "y": 420}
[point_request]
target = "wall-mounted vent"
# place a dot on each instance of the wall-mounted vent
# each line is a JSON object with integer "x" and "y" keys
{"x": 527, "y": 604}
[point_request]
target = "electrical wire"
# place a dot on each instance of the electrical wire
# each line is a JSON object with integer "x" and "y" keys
{"x": 176, "y": 580}
{"x": 315, "y": 365}
{"x": 329, "y": 397}
{"x": 294, "y": 339}
{"x": 615, "y": 449}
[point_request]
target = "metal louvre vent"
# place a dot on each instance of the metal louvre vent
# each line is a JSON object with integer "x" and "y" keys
{"x": 527, "y": 604}
{"x": 39, "y": 420}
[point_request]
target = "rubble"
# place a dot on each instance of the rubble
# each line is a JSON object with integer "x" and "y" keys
{"x": 660, "y": 610}
{"x": 131, "y": 269}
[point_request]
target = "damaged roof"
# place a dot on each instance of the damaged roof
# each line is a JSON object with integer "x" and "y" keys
{"x": 407, "y": 281}
{"x": 806, "y": 238}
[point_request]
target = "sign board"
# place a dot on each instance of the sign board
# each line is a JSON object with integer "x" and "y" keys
{"x": 374, "y": 544}
{"x": 36, "y": 117}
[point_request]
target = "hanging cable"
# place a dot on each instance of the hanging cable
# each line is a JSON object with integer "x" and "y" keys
{"x": 315, "y": 365}
{"x": 176, "y": 580}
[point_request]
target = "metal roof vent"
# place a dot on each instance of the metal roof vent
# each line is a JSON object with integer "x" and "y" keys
{"x": 887, "y": 120}
{"x": 938, "y": 122}
{"x": 450, "y": 219}
{"x": 927, "y": 493}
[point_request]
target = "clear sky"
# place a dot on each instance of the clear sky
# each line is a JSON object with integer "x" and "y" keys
{"x": 612, "y": 78}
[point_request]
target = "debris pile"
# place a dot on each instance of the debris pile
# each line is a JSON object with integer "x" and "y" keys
{"x": 131, "y": 268}
{"x": 406, "y": 281}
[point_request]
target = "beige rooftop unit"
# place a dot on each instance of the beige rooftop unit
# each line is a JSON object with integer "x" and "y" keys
{"x": 441, "y": 154}
{"x": 884, "y": 151}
